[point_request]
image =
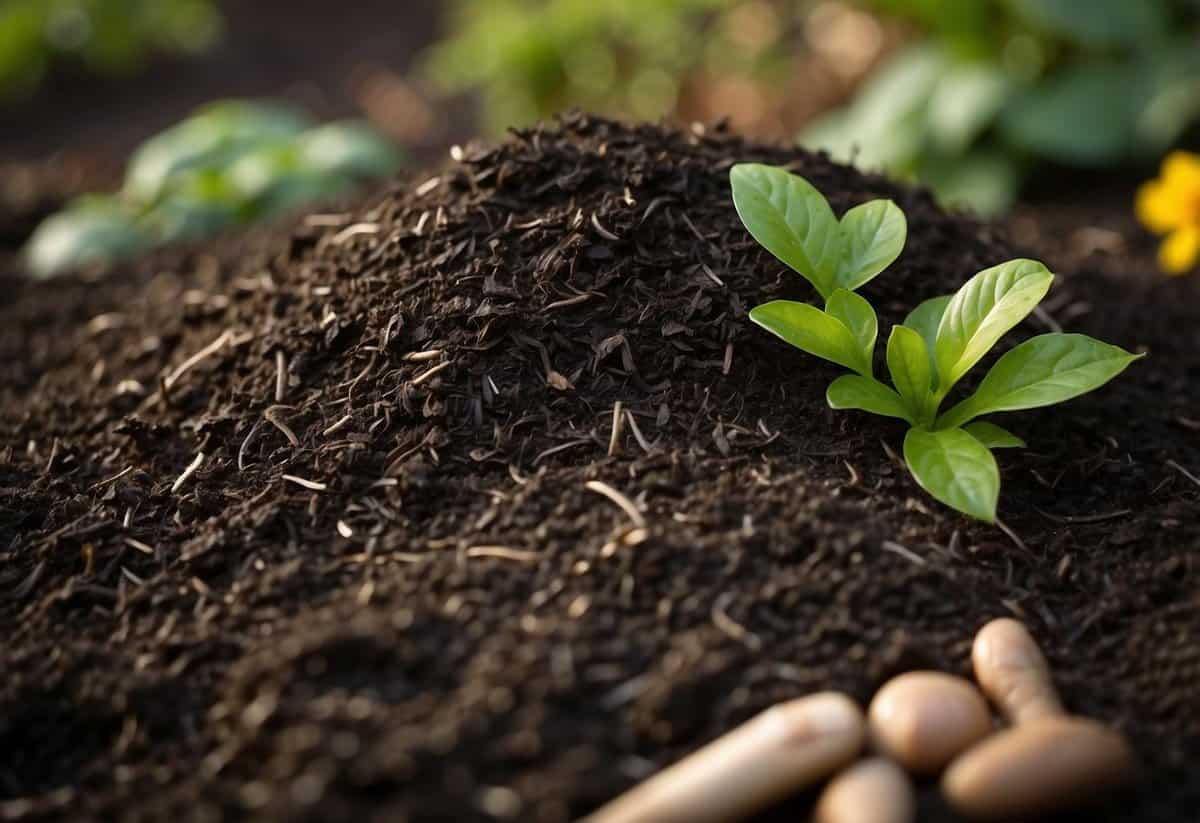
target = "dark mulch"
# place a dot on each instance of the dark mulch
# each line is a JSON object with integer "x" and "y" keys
{"x": 455, "y": 626}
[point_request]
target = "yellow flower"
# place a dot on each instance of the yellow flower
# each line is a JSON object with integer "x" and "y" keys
{"x": 1170, "y": 205}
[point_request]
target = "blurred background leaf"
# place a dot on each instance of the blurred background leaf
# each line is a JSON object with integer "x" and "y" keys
{"x": 114, "y": 36}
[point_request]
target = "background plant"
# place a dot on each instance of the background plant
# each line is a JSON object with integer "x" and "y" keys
{"x": 1002, "y": 85}
{"x": 948, "y": 452}
{"x": 231, "y": 162}
{"x": 528, "y": 59}
{"x": 111, "y": 36}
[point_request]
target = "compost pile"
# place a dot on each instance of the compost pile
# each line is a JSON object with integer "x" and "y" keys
{"x": 297, "y": 525}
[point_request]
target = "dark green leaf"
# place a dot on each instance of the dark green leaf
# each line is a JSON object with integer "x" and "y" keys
{"x": 956, "y": 469}
{"x": 1083, "y": 115}
{"x": 1096, "y": 23}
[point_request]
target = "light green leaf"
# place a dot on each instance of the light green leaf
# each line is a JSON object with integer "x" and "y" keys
{"x": 993, "y": 436}
{"x": 852, "y": 391}
{"x": 908, "y": 363}
{"x": 858, "y": 316}
{"x": 956, "y": 469}
{"x": 791, "y": 219}
{"x": 1044, "y": 370}
{"x": 987, "y": 306}
{"x": 812, "y": 330}
{"x": 965, "y": 102}
{"x": 874, "y": 237}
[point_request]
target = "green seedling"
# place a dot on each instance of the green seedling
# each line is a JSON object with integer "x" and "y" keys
{"x": 948, "y": 452}
{"x": 229, "y": 164}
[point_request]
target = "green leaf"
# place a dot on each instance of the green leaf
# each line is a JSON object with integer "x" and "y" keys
{"x": 965, "y": 102}
{"x": 858, "y": 316}
{"x": 956, "y": 469}
{"x": 987, "y": 306}
{"x": 1096, "y": 23}
{"x": 812, "y": 330}
{"x": 1044, "y": 370}
{"x": 852, "y": 391}
{"x": 926, "y": 317}
{"x": 91, "y": 230}
{"x": 985, "y": 181}
{"x": 993, "y": 436}
{"x": 1084, "y": 115}
{"x": 908, "y": 363}
{"x": 791, "y": 219}
{"x": 348, "y": 148}
{"x": 874, "y": 237}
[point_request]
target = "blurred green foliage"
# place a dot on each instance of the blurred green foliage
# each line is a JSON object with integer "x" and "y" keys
{"x": 231, "y": 162}
{"x": 1001, "y": 85}
{"x": 105, "y": 35}
{"x": 529, "y": 59}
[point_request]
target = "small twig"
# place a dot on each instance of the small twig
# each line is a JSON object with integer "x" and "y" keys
{"x": 603, "y": 232}
{"x": 311, "y": 485}
{"x": 1184, "y": 472}
{"x": 732, "y": 628}
{"x": 112, "y": 479}
{"x": 188, "y": 472}
{"x": 337, "y": 425}
{"x": 621, "y": 500}
{"x": 503, "y": 552}
{"x": 569, "y": 301}
{"x": 427, "y": 375}
{"x": 1012, "y": 535}
{"x": 903, "y": 551}
{"x": 144, "y": 548}
{"x": 269, "y": 414}
{"x": 208, "y": 351}
{"x": 637, "y": 432}
{"x": 1089, "y": 518}
{"x": 241, "y": 457}
{"x": 614, "y": 438}
{"x": 280, "y": 375}
{"x": 422, "y": 356}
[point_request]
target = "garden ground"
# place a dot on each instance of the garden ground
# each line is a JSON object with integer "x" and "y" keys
{"x": 299, "y": 524}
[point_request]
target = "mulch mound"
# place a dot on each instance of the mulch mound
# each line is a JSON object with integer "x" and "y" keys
{"x": 297, "y": 526}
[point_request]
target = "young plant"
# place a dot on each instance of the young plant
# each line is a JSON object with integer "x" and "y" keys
{"x": 949, "y": 453}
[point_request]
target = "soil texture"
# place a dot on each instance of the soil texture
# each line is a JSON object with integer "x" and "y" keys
{"x": 319, "y": 523}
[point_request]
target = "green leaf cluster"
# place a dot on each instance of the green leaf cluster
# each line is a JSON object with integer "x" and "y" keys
{"x": 109, "y": 36}
{"x": 527, "y": 60}
{"x": 231, "y": 162}
{"x": 1003, "y": 85}
{"x": 948, "y": 452}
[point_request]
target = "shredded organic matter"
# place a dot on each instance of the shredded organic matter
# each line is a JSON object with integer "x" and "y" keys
{"x": 426, "y": 602}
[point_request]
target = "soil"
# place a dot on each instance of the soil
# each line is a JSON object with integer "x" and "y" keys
{"x": 297, "y": 525}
